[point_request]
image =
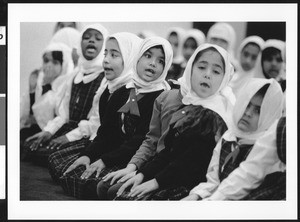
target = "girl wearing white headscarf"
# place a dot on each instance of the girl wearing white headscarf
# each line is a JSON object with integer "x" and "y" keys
{"x": 273, "y": 49}
{"x": 194, "y": 129}
{"x": 48, "y": 93}
{"x": 71, "y": 37}
{"x": 251, "y": 120}
{"x": 80, "y": 89}
{"x": 125, "y": 122}
{"x": 193, "y": 38}
{"x": 58, "y": 162}
{"x": 247, "y": 62}
{"x": 176, "y": 36}
{"x": 224, "y": 35}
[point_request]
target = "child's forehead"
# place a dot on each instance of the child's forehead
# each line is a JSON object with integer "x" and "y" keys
{"x": 156, "y": 49}
{"x": 91, "y": 31}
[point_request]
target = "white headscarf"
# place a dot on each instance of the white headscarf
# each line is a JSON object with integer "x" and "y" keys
{"x": 277, "y": 44}
{"x": 67, "y": 67}
{"x": 195, "y": 34}
{"x": 129, "y": 45}
{"x": 67, "y": 35}
{"x": 159, "y": 83}
{"x": 223, "y": 31}
{"x": 178, "y": 58}
{"x": 241, "y": 77}
{"x": 223, "y": 100}
{"x": 271, "y": 109}
{"x": 44, "y": 106}
{"x": 91, "y": 67}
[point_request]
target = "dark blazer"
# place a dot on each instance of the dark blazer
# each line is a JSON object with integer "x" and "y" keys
{"x": 185, "y": 159}
{"x": 111, "y": 144}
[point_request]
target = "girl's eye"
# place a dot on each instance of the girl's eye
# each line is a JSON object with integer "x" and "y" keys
{"x": 46, "y": 60}
{"x": 147, "y": 55}
{"x": 257, "y": 110}
{"x": 161, "y": 61}
{"x": 105, "y": 53}
{"x": 216, "y": 72}
{"x": 201, "y": 67}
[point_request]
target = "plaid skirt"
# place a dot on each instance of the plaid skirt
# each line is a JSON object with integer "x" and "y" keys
{"x": 173, "y": 193}
{"x": 83, "y": 189}
{"x": 272, "y": 188}
{"x": 59, "y": 161}
{"x": 41, "y": 155}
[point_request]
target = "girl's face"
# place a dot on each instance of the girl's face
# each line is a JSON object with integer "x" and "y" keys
{"x": 113, "y": 61}
{"x": 272, "y": 65}
{"x": 248, "y": 56}
{"x": 173, "y": 39}
{"x": 207, "y": 74}
{"x": 151, "y": 64}
{"x": 249, "y": 121}
{"x": 220, "y": 42}
{"x": 91, "y": 43}
{"x": 189, "y": 48}
{"x": 51, "y": 67}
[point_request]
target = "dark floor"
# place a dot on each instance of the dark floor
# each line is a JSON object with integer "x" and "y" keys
{"x": 36, "y": 184}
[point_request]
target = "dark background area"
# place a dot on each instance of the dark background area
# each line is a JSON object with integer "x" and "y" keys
{"x": 266, "y": 30}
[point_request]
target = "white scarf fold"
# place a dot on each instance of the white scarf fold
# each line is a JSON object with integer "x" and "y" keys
{"x": 224, "y": 31}
{"x": 271, "y": 109}
{"x": 160, "y": 83}
{"x": 67, "y": 35}
{"x": 223, "y": 100}
{"x": 88, "y": 70}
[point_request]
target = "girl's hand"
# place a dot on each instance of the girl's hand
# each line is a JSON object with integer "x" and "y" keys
{"x": 97, "y": 166}
{"x": 84, "y": 160}
{"x": 134, "y": 181}
{"x": 192, "y": 197}
{"x": 57, "y": 142}
{"x": 144, "y": 188}
{"x": 40, "y": 139}
{"x": 119, "y": 174}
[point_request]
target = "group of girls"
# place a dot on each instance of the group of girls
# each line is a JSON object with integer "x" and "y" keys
{"x": 114, "y": 129}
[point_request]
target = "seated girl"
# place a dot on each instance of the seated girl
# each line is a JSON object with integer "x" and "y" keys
{"x": 125, "y": 122}
{"x": 248, "y": 54}
{"x": 254, "y": 112}
{"x": 119, "y": 53}
{"x": 77, "y": 101}
{"x": 193, "y": 131}
{"x": 45, "y": 90}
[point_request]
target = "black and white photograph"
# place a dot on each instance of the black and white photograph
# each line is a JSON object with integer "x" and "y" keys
{"x": 152, "y": 111}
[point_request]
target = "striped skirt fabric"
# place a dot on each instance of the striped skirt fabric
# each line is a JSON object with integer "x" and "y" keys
{"x": 59, "y": 161}
{"x": 174, "y": 193}
{"x": 83, "y": 189}
{"x": 272, "y": 188}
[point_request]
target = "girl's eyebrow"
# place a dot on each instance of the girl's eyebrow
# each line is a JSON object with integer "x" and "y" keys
{"x": 215, "y": 64}
{"x": 114, "y": 50}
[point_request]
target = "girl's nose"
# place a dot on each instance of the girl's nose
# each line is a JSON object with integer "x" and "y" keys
{"x": 153, "y": 63}
{"x": 248, "y": 112}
